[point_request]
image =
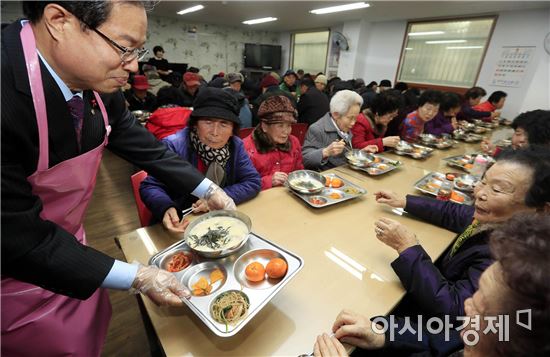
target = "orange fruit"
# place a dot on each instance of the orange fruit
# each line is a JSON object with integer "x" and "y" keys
{"x": 336, "y": 182}
{"x": 328, "y": 180}
{"x": 255, "y": 271}
{"x": 276, "y": 268}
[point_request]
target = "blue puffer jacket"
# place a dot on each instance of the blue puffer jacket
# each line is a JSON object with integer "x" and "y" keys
{"x": 242, "y": 181}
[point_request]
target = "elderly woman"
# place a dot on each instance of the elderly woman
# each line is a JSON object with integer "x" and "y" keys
{"x": 517, "y": 182}
{"x": 445, "y": 121}
{"x": 210, "y": 144}
{"x": 373, "y": 122}
{"x": 428, "y": 106}
{"x": 327, "y": 138}
{"x": 530, "y": 128}
{"x": 518, "y": 280}
{"x": 273, "y": 151}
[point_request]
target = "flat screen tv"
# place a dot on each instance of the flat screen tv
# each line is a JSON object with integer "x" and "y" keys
{"x": 262, "y": 56}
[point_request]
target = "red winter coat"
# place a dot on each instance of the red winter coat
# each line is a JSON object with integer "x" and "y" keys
{"x": 485, "y": 107}
{"x": 276, "y": 160}
{"x": 363, "y": 134}
{"x": 167, "y": 121}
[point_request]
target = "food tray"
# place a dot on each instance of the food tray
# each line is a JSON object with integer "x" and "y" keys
{"x": 430, "y": 184}
{"x": 327, "y": 197}
{"x": 470, "y": 138}
{"x": 375, "y": 168}
{"x": 233, "y": 266}
{"x": 418, "y": 152}
{"x": 461, "y": 161}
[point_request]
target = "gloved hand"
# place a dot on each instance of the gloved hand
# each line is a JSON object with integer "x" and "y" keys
{"x": 216, "y": 198}
{"x": 159, "y": 285}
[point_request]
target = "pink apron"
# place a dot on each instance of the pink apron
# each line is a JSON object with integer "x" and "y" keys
{"x": 38, "y": 322}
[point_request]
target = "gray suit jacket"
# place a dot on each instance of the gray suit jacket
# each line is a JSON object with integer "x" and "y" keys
{"x": 319, "y": 135}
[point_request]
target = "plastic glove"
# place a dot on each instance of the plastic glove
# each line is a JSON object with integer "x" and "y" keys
{"x": 216, "y": 198}
{"x": 159, "y": 285}
{"x": 200, "y": 206}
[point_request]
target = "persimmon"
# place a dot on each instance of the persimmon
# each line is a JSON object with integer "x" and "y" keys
{"x": 328, "y": 181}
{"x": 276, "y": 268}
{"x": 255, "y": 272}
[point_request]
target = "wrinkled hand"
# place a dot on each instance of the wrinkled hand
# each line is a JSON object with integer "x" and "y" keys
{"x": 326, "y": 346}
{"x": 391, "y": 141}
{"x": 159, "y": 285}
{"x": 355, "y": 329}
{"x": 390, "y": 198}
{"x": 216, "y": 198}
{"x": 487, "y": 146}
{"x": 394, "y": 234}
{"x": 200, "y": 206}
{"x": 370, "y": 149}
{"x": 335, "y": 148}
{"x": 279, "y": 178}
{"x": 172, "y": 223}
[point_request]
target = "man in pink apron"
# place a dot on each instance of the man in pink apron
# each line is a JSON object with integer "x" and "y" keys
{"x": 54, "y": 129}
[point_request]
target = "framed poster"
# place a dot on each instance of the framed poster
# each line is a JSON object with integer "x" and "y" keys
{"x": 512, "y": 65}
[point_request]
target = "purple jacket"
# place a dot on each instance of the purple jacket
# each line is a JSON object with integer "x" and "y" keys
{"x": 242, "y": 181}
{"x": 442, "y": 287}
{"x": 439, "y": 125}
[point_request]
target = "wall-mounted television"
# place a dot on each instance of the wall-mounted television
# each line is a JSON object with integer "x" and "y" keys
{"x": 262, "y": 56}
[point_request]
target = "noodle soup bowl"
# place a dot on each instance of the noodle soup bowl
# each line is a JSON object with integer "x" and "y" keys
{"x": 306, "y": 181}
{"x": 209, "y": 219}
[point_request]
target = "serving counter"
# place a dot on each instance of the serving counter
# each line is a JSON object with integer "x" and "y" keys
{"x": 345, "y": 266}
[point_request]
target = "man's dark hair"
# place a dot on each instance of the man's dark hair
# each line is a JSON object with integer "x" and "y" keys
{"x": 495, "y": 97}
{"x": 521, "y": 246}
{"x": 157, "y": 49}
{"x": 449, "y": 101}
{"x": 90, "y": 13}
{"x": 430, "y": 96}
{"x": 401, "y": 86}
{"x": 308, "y": 82}
{"x": 385, "y": 102}
{"x": 536, "y": 125}
{"x": 536, "y": 158}
{"x": 475, "y": 92}
{"x": 372, "y": 84}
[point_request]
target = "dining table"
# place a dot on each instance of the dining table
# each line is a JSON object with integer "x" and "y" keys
{"x": 345, "y": 265}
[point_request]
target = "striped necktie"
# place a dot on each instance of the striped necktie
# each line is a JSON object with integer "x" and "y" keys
{"x": 76, "y": 107}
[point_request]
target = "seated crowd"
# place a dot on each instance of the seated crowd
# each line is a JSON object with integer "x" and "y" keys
{"x": 491, "y": 268}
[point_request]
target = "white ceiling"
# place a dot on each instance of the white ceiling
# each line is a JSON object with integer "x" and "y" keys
{"x": 294, "y": 15}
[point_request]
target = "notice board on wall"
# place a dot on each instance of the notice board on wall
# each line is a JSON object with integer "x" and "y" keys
{"x": 512, "y": 65}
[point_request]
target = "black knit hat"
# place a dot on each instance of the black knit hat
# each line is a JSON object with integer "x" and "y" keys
{"x": 216, "y": 103}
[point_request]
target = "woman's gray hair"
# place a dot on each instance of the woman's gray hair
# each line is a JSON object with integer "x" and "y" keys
{"x": 343, "y": 100}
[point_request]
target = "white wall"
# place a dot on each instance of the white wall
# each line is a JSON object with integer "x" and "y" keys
{"x": 525, "y": 28}
{"x": 213, "y": 48}
{"x": 382, "y": 47}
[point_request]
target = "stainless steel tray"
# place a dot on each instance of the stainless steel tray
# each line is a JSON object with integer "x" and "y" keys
{"x": 459, "y": 161}
{"x": 419, "y": 152}
{"x": 384, "y": 165}
{"x": 430, "y": 184}
{"x": 327, "y": 197}
{"x": 470, "y": 138}
{"x": 259, "y": 294}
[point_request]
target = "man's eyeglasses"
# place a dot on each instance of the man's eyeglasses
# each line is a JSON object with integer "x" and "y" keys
{"x": 128, "y": 54}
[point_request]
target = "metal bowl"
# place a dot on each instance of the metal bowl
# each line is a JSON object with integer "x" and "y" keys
{"x": 468, "y": 126}
{"x": 227, "y": 250}
{"x": 141, "y": 115}
{"x": 458, "y": 133}
{"x": 428, "y": 138}
{"x": 465, "y": 183}
{"x": 403, "y": 146}
{"x": 306, "y": 181}
{"x": 359, "y": 158}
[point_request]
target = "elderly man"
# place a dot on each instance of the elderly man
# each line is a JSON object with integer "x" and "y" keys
{"x": 55, "y": 126}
